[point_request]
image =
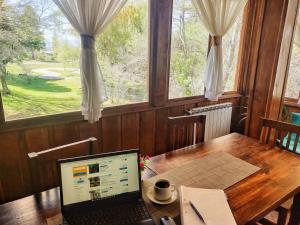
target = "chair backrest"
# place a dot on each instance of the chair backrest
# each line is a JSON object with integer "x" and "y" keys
{"x": 285, "y": 135}
{"x": 50, "y": 156}
{"x": 185, "y": 130}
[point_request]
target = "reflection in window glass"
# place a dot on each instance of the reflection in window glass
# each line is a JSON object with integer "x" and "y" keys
{"x": 293, "y": 83}
{"x": 188, "y": 51}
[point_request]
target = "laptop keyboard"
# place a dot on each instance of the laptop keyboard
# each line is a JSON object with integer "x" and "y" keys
{"x": 125, "y": 214}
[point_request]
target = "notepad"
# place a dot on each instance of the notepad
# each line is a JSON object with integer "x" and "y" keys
{"x": 211, "y": 203}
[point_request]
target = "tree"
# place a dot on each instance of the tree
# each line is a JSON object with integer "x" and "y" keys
{"x": 11, "y": 48}
{"x": 230, "y": 48}
{"x": 30, "y": 30}
{"x": 121, "y": 49}
{"x": 116, "y": 40}
{"x": 189, "y": 48}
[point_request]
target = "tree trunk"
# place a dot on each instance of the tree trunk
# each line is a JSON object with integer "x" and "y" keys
{"x": 5, "y": 90}
{"x": 32, "y": 54}
{"x": 231, "y": 54}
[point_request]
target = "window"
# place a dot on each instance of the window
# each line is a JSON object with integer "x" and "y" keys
{"x": 40, "y": 60}
{"x": 293, "y": 82}
{"x": 40, "y": 53}
{"x": 123, "y": 55}
{"x": 189, "y": 50}
{"x": 231, "y": 43}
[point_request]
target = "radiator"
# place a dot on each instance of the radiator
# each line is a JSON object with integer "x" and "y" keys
{"x": 218, "y": 119}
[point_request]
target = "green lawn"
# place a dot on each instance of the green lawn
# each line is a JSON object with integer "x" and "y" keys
{"x": 34, "y": 96}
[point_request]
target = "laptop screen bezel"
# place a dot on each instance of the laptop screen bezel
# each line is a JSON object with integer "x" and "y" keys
{"x": 91, "y": 203}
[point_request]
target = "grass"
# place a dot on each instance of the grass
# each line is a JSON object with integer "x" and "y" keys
{"x": 34, "y": 96}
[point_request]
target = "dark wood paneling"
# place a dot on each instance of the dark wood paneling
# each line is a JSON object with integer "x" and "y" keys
{"x": 87, "y": 130}
{"x": 161, "y": 129}
{"x": 40, "y": 137}
{"x": 160, "y": 45}
{"x": 147, "y": 133}
{"x": 146, "y": 129}
{"x": 65, "y": 133}
{"x": 11, "y": 171}
{"x": 111, "y": 134}
{"x": 177, "y": 111}
{"x": 130, "y": 131}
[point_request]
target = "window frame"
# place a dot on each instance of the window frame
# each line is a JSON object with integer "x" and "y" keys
{"x": 289, "y": 101}
{"x": 159, "y": 44}
{"x": 238, "y": 71}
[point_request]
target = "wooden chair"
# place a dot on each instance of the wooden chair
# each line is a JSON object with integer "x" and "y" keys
{"x": 185, "y": 130}
{"x": 286, "y": 137}
{"x": 38, "y": 160}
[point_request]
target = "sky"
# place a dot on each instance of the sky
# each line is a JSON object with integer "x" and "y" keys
{"x": 48, "y": 7}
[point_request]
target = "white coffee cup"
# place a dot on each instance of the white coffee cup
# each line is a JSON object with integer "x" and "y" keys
{"x": 163, "y": 190}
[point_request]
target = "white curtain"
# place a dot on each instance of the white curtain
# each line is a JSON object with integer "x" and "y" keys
{"x": 217, "y": 16}
{"x": 89, "y": 18}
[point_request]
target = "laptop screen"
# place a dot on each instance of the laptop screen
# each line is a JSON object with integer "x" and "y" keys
{"x": 100, "y": 177}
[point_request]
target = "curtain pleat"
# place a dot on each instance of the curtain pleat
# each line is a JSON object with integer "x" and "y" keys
{"x": 89, "y": 18}
{"x": 217, "y": 16}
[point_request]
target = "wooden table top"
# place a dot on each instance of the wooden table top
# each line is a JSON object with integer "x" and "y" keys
{"x": 249, "y": 199}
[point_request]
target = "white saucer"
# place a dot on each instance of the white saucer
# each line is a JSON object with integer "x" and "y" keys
{"x": 150, "y": 195}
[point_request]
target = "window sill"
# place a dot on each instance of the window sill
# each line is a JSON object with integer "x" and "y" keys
{"x": 292, "y": 104}
{"x": 194, "y": 99}
{"x": 72, "y": 117}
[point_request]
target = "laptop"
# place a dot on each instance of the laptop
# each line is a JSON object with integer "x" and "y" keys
{"x": 103, "y": 189}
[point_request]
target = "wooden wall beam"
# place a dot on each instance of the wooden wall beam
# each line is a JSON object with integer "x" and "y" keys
{"x": 250, "y": 43}
{"x": 262, "y": 75}
{"x": 160, "y": 46}
{"x": 276, "y": 98}
{"x": 2, "y": 116}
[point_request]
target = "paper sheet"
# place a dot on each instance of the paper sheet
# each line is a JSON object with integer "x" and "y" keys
{"x": 211, "y": 203}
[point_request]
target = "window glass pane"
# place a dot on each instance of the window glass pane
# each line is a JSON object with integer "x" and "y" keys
{"x": 188, "y": 51}
{"x": 231, "y": 43}
{"x": 123, "y": 55}
{"x": 40, "y": 55}
{"x": 293, "y": 82}
{"x": 40, "y": 52}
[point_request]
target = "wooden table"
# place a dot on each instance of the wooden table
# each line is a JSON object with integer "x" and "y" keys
{"x": 250, "y": 199}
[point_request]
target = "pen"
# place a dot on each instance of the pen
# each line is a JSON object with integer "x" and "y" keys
{"x": 197, "y": 212}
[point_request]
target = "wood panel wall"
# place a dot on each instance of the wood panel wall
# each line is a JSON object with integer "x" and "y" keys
{"x": 263, "y": 84}
{"x": 145, "y": 129}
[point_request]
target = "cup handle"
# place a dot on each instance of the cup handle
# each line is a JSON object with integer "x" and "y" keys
{"x": 173, "y": 187}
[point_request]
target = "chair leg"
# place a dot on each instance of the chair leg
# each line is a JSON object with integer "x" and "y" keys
{"x": 295, "y": 215}
{"x": 282, "y": 216}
